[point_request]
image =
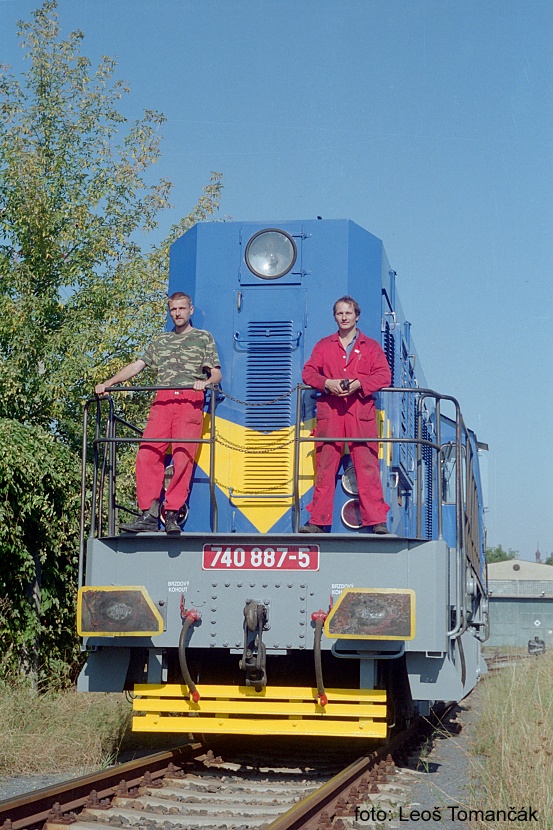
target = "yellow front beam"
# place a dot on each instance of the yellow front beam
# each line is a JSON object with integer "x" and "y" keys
{"x": 267, "y": 693}
{"x": 267, "y": 708}
{"x": 277, "y": 710}
{"x": 261, "y": 726}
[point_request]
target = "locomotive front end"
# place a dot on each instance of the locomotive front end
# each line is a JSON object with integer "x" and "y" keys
{"x": 241, "y": 624}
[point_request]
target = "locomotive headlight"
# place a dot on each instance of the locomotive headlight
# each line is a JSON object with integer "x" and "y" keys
{"x": 270, "y": 254}
{"x": 108, "y": 611}
{"x": 373, "y": 614}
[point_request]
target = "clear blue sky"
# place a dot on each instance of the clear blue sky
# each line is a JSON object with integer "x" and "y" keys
{"x": 428, "y": 122}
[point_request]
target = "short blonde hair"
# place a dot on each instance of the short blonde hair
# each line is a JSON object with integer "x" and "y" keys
{"x": 179, "y": 295}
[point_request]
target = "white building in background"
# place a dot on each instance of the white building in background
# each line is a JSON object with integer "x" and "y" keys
{"x": 521, "y": 603}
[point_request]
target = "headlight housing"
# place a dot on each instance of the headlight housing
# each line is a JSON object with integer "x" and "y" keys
{"x": 271, "y": 253}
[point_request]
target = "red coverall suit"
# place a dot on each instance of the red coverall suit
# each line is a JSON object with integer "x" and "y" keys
{"x": 173, "y": 412}
{"x": 353, "y": 416}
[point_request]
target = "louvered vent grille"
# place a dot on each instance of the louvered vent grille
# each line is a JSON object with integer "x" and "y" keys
{"x": 428, "y": 458}
{"x": 407, "y": 430}
{"x": 268, "y": 376}
{"x": 389, "y": 349}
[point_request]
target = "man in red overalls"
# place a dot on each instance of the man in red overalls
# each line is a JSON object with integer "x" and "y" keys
{"x": 186, "y": 360}
{"x": 348, "y": 367}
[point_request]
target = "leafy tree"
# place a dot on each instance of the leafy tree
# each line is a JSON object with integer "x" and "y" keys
{"x": 80, "y": 296}
{"x": 498, "y": 554}
{"x": 74, "y": 199}
{"x": 549, "y": 560}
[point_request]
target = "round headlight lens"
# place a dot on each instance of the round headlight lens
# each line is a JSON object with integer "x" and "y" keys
{"x": 351, "y": 514}
{"x": 270, "y": 254}
{"x": 349, "y": 481}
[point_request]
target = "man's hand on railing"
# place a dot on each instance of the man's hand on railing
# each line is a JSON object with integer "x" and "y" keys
{"x": 126, "y": 373}
{"x": 200, "y": 385}
{"x": 101, "y": 390}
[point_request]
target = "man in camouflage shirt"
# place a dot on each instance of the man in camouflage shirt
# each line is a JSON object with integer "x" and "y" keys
{"x": 185, "y": 358}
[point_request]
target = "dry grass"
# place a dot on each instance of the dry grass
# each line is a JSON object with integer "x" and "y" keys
{"x": 515, "y": 741}
{"x": 59, "y": 731}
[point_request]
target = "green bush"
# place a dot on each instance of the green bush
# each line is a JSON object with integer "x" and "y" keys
{"x": 39, "y": 532}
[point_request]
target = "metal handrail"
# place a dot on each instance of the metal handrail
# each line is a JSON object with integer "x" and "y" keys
{"x": 111, "y": 439}
{"x": 463, "y": 500}
{"x": 276, "y": 339}
{"x": 461, "y": 432}
{"x": 419, "y": 442}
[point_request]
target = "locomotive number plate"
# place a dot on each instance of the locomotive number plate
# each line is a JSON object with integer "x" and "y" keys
{"x": 260, "y": 558}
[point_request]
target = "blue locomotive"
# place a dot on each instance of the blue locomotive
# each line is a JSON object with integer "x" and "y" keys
{"x": 242, "y": 625}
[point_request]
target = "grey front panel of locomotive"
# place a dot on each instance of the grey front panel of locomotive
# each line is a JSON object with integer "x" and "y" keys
{"x": 171, "y": 571}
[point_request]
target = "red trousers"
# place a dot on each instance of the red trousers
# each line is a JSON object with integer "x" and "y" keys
{"x": 174, "y": 413}
{"x": 336, "y": 420}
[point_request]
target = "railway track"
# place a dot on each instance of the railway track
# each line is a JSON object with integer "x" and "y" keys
{"x": 277, "y": 788}
{"x": 499, "y": 660}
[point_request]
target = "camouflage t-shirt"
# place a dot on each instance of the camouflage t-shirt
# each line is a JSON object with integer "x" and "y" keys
{"x": 180, "y": 359}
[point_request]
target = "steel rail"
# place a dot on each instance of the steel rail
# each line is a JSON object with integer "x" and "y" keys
{"x": 31, "y": 810}
{"x": 59, "y": 803}
{"x": 325, "y": 798}
{"x": 307, "y": 813}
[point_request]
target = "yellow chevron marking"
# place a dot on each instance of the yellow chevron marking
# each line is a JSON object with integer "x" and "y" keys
{"x": 251, "y": 464}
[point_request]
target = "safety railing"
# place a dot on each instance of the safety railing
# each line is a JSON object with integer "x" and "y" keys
{"x": 464, "y": 527}
{"x": 467, "y": 521}
{"x": 419, "y": 442}
{"x": 106, "y": 467}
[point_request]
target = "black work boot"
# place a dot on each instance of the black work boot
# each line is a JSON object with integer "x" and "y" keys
{"x": 172, "y": 527}
{"x": 148, "y": 521}
{"x": 310, "y": 528}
